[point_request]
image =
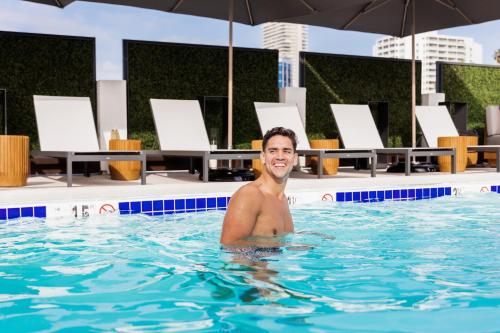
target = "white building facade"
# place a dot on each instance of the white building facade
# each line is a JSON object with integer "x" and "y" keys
{"x": 429, "y": 48}
{"x": 289, "y": 39}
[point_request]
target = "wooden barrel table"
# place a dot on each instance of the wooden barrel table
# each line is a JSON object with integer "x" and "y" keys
{"x": 330, "y": 165}
{"x": 125, "y": 170}
{"x": 256, "y": 165}
{"x": 460, "y": 145}
{"x": 472, "y": 157}
{"x": 14, "y": 160}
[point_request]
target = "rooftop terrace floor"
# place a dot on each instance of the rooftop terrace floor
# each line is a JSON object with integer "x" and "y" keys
{"x": 54, "y": 189}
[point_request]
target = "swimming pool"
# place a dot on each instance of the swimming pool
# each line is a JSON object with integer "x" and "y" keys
{"x": 427, "y": 265}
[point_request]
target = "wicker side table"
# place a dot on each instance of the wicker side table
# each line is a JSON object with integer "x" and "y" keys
{"x": 125, "y": 170}
{"x": 14, "y": 160}
{"x": 460, "y": 144}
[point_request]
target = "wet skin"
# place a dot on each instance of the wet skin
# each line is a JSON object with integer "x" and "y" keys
{"x": 258, "y": 212}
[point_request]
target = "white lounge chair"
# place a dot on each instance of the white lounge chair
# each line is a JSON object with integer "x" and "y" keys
{"x": 358, "y": 130}
{"x": 66, "y": 129}
{"x": 287, "y": 115}
{"x": 435, "y": 121}
{"x": 181, "y": 132}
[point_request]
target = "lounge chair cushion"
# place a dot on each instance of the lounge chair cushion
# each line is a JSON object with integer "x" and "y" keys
{"x": 435, "y": 121}
{"x": 493, "y": 140}
{"x": 356, "y": 126}
{"x": 65, "y": 124}
{"x": 282, "y": 115}
{"x": 179, "y": 125}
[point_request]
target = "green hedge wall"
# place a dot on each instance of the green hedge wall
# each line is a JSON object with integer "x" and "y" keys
{"x": 34, "y": 64}
{"x": 184, "y": 71}
{"x": 342, "y": 79}
{"x": 476, "y": 85}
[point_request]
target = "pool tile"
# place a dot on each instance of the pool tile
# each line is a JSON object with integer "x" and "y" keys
{"x": 228, "y": 198}
{"x": 447, "y": 191}
{"x": 396, "y": 194}
{"x": 157, "y": 213}
{"x": 380, "y": 195}
{"x": 404, "y": 194}
{"x": 211, "y": 203}
{"x": 40, "y": 211}
{"x": 27, "y": 211}
{"x": 434, "y": 192}
{"x": 440, "y": 191}
{"x": 340, "y": 196}
{"x": 147, "y": 206}
{"x": 180, "y": 205}
{"x": 124, "y": 206}
{"x": 190, "y": 204}
{"x": 426, "y": 193}
{"x": 135, "y": 207}
{"x": 13, "y": 213}
{"x": 348, "y": 196}
{"x": 493, "y": 188}
{"x": 364, "y": 196}
{"x": 356, "y": 196}
{"x": 168, "y": 205}
{"x": 201, "y": 204}
{"x": 372, "y": 195}
{"x": 418, "y": 194}
{"x": 221, "y": 202}
{"x": 3, "y": 214}
{"x": 388, "y": 194}
{"x": 411, "y": 193}
{"x": 158, "y": 205}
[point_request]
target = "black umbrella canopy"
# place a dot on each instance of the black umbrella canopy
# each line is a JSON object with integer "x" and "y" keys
{"x": 251, "y": 12}
{"x": 393, "y": 17}
{"x": 402, "y": 18}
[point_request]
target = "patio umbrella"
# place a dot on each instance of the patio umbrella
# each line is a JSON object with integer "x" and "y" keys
{"x": 251, "y": 12}
{"x": 402, "y": 18}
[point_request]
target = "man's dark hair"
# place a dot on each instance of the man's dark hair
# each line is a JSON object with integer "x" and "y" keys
{"x": 280, "y": 131}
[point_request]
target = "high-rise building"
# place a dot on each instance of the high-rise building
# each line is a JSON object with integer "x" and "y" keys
{"x": 289, "y": 39}
{"x": 429, "y": 48}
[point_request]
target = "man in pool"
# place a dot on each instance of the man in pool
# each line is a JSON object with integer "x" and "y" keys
{"x": 259, "y": 211}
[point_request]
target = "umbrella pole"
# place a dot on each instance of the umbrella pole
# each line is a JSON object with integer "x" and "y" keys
{"x": 413, "y": 80}
{"x": 230, "y": 79}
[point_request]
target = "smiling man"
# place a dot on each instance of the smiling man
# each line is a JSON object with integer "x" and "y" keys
{"x": 259, "y": 210}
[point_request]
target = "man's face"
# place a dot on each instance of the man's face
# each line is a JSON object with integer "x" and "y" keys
{"x": 279, "y": 157}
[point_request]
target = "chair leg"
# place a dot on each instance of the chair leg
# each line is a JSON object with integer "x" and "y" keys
{"x": 374, "y": 165}
{"x": 205, "y": 167}
{"x": 407, "y": 163}
{"x": 143, "y": 169}
{"x": 69, "y": 170}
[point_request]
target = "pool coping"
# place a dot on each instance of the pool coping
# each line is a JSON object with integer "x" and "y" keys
{"x": 185, "y": 197}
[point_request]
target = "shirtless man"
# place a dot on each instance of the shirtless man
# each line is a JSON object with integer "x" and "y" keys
{"x": 260, "y": 209}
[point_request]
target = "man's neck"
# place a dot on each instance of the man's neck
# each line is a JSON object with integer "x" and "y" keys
{"x": 273, "y": 186}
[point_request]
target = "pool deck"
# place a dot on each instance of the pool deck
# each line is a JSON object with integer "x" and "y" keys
{"x": 53, "y": 188}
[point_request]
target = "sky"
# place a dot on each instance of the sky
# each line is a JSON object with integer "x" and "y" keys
{"x": 109, "y": 24}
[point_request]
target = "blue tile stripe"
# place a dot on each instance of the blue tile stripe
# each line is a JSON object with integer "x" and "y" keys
{"x": 17, "y": 212}
{"x": 173, "y": 206}
{"x": 187, "y": 205}
{"x": 396, "y": 195}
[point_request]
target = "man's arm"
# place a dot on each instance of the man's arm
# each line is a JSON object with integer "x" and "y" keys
{"x": 241, "y": 216}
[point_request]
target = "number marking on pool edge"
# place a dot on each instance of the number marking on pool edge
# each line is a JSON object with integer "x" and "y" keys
{"x": 106, "y": 209}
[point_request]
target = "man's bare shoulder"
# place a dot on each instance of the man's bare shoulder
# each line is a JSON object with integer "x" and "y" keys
{"x": 248, "y": 193}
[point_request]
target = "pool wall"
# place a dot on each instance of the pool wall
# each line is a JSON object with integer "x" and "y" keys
{"x": 179, "y": 204}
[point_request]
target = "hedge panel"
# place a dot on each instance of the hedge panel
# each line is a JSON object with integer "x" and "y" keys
{"x": 185, "y": 71}
{"x": 476, "y": 85}
{"x": 35, "y": 64}
{"x": 342, "y": 79}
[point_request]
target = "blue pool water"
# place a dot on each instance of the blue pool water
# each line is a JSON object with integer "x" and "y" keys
{"x": 417, "y": 266}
